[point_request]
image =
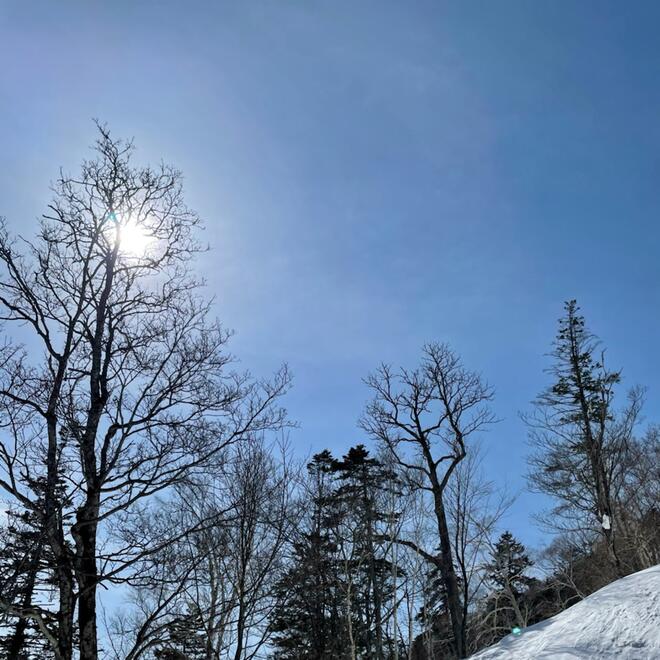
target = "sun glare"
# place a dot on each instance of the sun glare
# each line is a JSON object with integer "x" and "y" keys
{"x": 133, "y": 239}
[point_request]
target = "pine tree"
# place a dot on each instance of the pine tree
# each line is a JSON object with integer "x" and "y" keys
{"x": 363, "y": 484}
{"x": 307, "y": 623}
{"x": 332, "y": 599}
{"x": 184, "y": 638}
{"x": 508, "y": 565}
{"x": 27, "y": 568}
{"x": 507, "y": 569}
{"x": 581, "y": 442}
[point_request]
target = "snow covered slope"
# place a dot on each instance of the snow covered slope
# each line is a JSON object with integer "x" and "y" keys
{"x": 621, "y": 621}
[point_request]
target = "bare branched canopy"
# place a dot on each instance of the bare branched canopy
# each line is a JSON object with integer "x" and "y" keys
{"x": 115, "y": 382}
{"x": 433, "y": 409}
{"x": 426, "y": 418}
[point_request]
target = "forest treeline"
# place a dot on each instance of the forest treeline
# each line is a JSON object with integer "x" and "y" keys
{"x": 153, "y": 508}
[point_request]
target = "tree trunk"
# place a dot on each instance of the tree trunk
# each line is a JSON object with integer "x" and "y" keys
{"x": 395, "y": 604}
{"x": 349, "y": 620}
{"x": 240, "y": 619}
{"x": 85, "y": 535}
{"x": 449, "y": 577}
{"x": 67, "y": 605}
{"x": 375, "y": 584}
{"x": 594, "y": 444}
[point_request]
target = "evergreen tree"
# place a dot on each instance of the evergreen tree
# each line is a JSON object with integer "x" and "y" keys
{"x": 307, "y": 623}
{"x": 363, "y": 484}
{"x": 184, "y": 638}
{"x": 27, "y": 568}
{"x": 507, "y": 569}
{"x": 332, "y": 599}
{"x": 581, "y": 442}
{"x": 509, "y": 562}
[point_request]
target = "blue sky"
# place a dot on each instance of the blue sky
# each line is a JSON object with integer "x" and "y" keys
{"x": 374, "y": 175}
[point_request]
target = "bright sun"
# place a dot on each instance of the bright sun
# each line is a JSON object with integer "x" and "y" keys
{"x": 133, "y": 239}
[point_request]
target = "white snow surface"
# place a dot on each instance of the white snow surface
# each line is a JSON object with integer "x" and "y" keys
{"x": 621, "y": 620}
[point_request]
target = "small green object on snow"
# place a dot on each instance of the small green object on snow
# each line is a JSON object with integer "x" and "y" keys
{"x": 516, "y": 631}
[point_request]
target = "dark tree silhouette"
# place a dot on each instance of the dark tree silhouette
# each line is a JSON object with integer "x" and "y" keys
{"x": 127, "y": 385}
{"x": 581, "y": 441}
{"x": 426, "y": 418}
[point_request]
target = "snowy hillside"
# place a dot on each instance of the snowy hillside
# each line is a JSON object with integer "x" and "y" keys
{"x": 621, "y": 621}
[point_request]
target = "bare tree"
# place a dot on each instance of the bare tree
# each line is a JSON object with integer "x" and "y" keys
{"x": 131, "y": 388}
{"x": 218, "y": 586}
{"x": 475, "y": 507}
{"x": 426, "y": 417}
{"x": 638, "y": 495}
{"x": 262, "y": 493}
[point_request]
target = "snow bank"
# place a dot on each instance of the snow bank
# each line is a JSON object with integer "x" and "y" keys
{"x": 621, "y": 620}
